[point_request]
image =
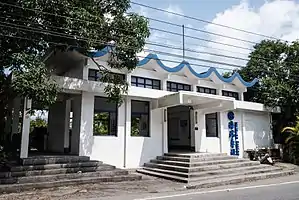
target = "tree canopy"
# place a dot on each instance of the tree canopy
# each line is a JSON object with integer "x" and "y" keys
{"x": 29, "y": 28}
{"x": 276, "y": 65}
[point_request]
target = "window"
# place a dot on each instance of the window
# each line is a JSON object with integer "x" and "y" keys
{"x": 140, "y": 118}
{"x": 175, "y": 87}
{"x": 206, "y": 90}
{"x": 95, "y": 75}
{"x": 212, "y": 125}
{"x": 105, "y": 117}
{"x": 230, "y": 94}
{"x": 145, "y": 82}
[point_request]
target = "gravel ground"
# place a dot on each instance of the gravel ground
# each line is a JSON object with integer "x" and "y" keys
{"x": 146, "y": 185}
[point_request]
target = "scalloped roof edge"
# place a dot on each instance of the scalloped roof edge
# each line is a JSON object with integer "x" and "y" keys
{"x": 180, "y": 66}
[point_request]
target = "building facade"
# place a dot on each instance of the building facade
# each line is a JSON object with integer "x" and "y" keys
{"x": 166, "y": 109}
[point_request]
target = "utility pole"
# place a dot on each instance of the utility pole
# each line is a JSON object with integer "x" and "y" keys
{"x": 183, "y": 27}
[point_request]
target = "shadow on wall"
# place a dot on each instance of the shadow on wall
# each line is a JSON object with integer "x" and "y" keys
{"x": 261, "y": 133}
{"x": 152, "y": 146}
{"x": 86, "y": 140}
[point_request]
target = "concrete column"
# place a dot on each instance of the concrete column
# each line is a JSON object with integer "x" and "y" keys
{"x": 128, "y": 78}
{"x": 67, "y": 125}
{"x": 82, "y": 131}
{"x": 57, "y": 120}
{"x": 200, "y": 131}
{"x": 164, "y": 84}
{"x": 76, "y": 108}
{"x": 164, "y": 131}
{"x": 192, "y": 125}
{"x": 127, "y": 128}
{"x": 241, "y": 96}
{"x": 194, "y": 87}
{"x": 25, "y": 128}
{"x": 16, "y": 116}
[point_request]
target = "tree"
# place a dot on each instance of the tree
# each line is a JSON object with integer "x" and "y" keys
{"x": 276, "y": 65}
{"x": 292, "y": 142}
{"x": 38, "y": 123}
{"x": 31, "y": 28}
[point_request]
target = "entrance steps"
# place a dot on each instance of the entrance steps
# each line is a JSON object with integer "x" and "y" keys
{"x": 201, "y": 170}
{"x": 55, "y": 171}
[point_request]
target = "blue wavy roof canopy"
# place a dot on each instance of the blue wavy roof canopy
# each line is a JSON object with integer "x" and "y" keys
{"x": 180, "y": 67}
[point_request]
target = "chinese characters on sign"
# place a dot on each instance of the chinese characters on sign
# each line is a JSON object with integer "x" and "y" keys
{"x": 233, "y": 134}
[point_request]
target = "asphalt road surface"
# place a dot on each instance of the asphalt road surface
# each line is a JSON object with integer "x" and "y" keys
{"x": 285, "y": 191}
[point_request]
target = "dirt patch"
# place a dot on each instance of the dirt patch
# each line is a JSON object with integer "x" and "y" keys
{"x": 80, "y": 192}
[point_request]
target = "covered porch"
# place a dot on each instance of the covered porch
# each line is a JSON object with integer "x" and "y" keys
{"x": 62, "y": 134}
{"x": 198, "y": 125}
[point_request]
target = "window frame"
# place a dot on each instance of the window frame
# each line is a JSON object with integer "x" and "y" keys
{"x": 198, "y": 88}
{"x": 97, "y": 111}
{"x": 141, "y": 113}
{"x": 217, "y": 124}
{"x": 228, "y": 93}
{"x": 144, "y": 83}
{"x": 170, "y": 85}
{"x": 96, "y": 77}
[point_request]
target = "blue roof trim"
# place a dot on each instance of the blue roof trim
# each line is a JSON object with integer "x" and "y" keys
{"x": 100, "y": 53}
{"x": 183, "y": 64}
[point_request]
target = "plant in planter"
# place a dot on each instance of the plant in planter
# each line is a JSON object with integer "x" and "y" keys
{"x": 292, "y": 142}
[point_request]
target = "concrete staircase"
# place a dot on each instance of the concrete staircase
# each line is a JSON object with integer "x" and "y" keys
{"x": 47, "y": 171}
{"x": 200, "y": 170}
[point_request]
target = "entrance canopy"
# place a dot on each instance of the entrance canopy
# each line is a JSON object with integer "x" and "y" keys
{"x": 207, "y": 103}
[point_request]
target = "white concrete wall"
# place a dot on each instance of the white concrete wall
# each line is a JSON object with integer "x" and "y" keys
{"x": 204, "y": 143}
{"x": 140, "y": 150}
{"x": 257, "y": 130}
{"x": 111, "y": 149}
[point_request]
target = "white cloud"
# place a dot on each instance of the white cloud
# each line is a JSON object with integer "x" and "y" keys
{"x": 174, "y": 9}
{"x": 279, "y": 18}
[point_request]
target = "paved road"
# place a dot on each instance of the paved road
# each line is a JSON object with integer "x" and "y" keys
{"x": 284, "y": 191}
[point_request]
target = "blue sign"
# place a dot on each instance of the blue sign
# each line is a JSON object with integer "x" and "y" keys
{"x": 233, "y": 134}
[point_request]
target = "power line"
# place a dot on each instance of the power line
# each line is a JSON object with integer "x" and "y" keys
{"x": 149, "y": 50}
{"x": 200, "y": 30}
{"x": 88, "y": 39}
{"x": 195, "y": 51}
{"x": 200, "y": 45}
{"x": 205, "y": 21}
{"x": 161, "y": 21}
{"x": 198, "y": 38}
{"x": 158, "y": 59}
{"x": 83, "y": 39}
{"x": 106, "y": 36}
{"x": 157, "y": 29}
{"x": 192, "y": 50}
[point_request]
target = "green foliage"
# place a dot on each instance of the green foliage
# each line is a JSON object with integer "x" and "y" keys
{"x": 275, "y": 64}
{"x": 292, "y": 141}
{"x": 38, "y": 123}
{"x": 135, "y": 126}
{"x": 30, "y": 29}
{"x": 101, "y": 123}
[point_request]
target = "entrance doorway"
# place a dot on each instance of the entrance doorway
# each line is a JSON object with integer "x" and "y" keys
{"x": 179, "y": 129}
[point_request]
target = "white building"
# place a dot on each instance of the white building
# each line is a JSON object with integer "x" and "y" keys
{"x": 166, "y": 109}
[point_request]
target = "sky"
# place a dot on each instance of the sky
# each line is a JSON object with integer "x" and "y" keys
{"x": 274, "y": 18}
